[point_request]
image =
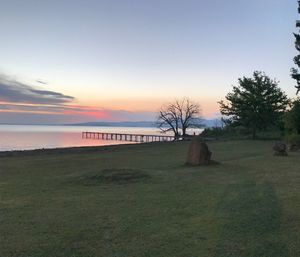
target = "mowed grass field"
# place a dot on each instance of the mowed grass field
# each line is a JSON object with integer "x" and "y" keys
{"x": 141, "y": 201}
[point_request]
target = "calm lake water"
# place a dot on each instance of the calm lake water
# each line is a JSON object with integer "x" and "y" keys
{"x": 27, "y": 137}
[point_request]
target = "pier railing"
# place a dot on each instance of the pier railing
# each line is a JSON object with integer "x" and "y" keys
{"x": 127, "y": 137}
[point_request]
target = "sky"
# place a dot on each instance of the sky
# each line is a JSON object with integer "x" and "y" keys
{"x": 70, "y": 61}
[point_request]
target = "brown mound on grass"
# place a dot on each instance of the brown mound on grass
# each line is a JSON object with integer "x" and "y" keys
{"x": 198, "y": 153}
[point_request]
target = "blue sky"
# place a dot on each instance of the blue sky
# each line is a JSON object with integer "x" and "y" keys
{"x": 132, "y": 56}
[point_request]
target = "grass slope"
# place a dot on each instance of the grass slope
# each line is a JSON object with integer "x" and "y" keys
{"x": 140, "y": 200}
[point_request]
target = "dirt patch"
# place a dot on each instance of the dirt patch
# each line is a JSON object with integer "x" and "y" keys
{"x": 116, "y": 176}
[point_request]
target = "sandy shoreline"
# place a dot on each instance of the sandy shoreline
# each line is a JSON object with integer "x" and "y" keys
{"x": 77, "y": 149}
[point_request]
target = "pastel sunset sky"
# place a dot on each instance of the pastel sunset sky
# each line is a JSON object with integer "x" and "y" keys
{"x": 64, "y": 61}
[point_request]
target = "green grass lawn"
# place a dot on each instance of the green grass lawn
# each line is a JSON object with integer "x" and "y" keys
{"x": 140, "y": 200}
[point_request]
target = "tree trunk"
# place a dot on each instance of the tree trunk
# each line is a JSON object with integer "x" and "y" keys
{"x": 183, "y": 131}
{"x": 176, "y": 136}
{"x": 254, "y": 132}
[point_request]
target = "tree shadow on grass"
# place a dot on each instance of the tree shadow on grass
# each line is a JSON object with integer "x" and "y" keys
{"x": 251, "y": 222}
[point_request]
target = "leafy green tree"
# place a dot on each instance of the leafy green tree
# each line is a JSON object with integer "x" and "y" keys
{"x": 295, "y": 72}
{"x": 256, "y": 103}
{"x": 292, "y": 118}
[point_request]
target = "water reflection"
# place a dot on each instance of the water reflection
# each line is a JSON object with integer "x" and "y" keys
{"x": 26, "y": 137}
{"x": 15, "y": 137}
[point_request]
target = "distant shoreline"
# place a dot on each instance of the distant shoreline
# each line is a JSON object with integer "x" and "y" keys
{"x": 130, "y": 124}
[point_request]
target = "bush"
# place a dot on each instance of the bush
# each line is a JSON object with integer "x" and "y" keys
{"x": 240, "y": 132}
{"x": 293, "y": 139}
{"x": 292, "y": 119}
{"x": 226, "y": 132}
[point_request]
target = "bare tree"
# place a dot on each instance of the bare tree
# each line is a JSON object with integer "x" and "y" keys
{"x": 179, "y": 116}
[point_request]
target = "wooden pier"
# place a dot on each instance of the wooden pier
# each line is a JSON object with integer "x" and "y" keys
{"x": 127, "y": 137}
